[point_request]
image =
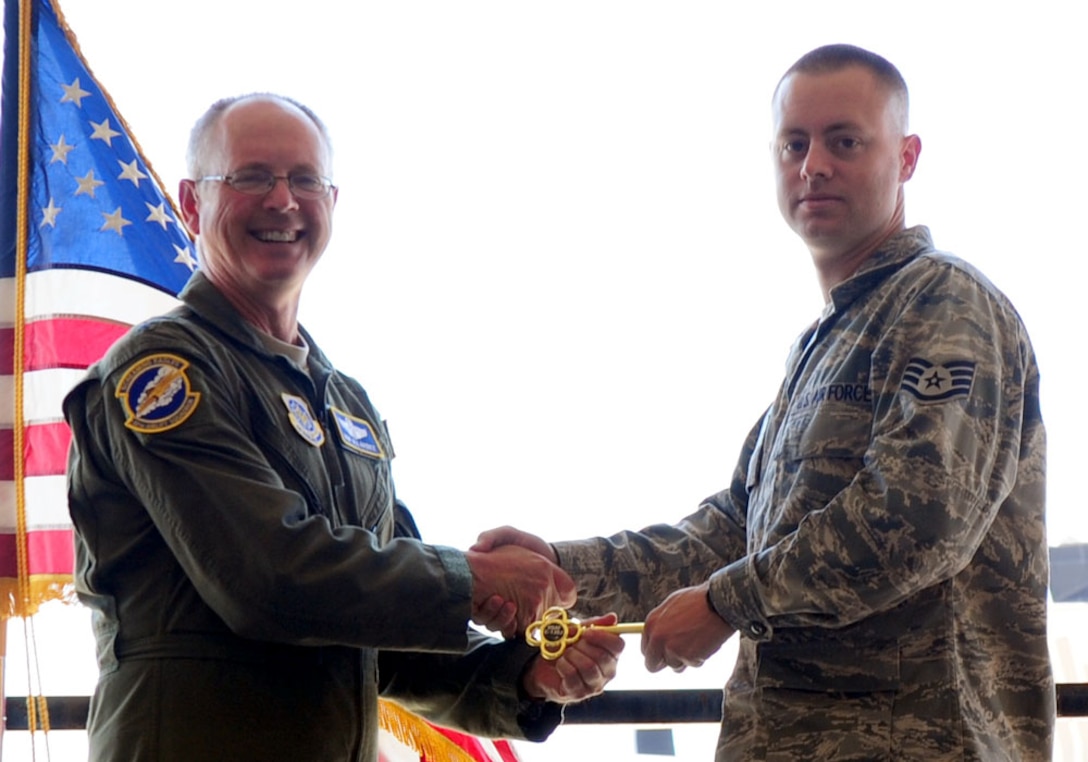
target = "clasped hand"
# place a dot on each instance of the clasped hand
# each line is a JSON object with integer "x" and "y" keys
{"x": 683, "y": 631}
{"x": 581, "y": 671}
{"x": 512, "y": 586}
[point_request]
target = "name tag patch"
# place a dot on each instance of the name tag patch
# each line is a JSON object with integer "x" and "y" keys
{"x": 357, "y": 434}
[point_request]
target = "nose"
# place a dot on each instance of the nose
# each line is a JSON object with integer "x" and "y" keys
{"x": 817, "y": 163}
{"x": 279, "y": 196}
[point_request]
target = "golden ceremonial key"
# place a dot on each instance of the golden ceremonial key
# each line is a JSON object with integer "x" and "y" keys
{"x": 555, "y": 631}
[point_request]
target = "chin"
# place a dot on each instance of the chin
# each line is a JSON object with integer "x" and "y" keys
{"x": 817, "y": 231}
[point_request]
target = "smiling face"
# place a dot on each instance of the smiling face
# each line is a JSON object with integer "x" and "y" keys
{"x": 259, "y": 249}
{"x": 841, "y": 158}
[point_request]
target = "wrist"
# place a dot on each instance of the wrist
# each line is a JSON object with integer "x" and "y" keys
{"x": 529, "y": 686}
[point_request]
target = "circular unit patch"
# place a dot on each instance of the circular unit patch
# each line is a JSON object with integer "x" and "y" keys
{"x": 156, "y": 394}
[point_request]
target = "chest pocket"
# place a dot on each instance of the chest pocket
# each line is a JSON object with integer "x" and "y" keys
{"x": 832, "y": 430}
{"x": 299, "y": 462}
{"x": 365, "y": 451}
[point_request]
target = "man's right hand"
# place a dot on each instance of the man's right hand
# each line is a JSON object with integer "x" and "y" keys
{"x": 519, "y": 576}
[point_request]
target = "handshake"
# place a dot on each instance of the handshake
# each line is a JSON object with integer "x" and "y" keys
{"x": 515, "y": 578}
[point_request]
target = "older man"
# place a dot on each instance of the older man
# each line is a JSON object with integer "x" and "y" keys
{"x": 235, "y": 514}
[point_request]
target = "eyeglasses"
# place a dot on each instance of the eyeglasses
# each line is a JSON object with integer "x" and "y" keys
{"x": 257, "y": 182}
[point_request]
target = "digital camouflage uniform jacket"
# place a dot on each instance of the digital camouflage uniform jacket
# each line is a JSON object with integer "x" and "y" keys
{"x": 234, "y": 522}
{"x": 881, "y": 549}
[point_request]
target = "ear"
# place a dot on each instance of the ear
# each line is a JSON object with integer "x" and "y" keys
{"x": 190, "y": 205}
{"x": 911, "y": 149}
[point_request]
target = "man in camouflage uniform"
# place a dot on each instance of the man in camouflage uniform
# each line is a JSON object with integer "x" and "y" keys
{"x": 881, "y": 549}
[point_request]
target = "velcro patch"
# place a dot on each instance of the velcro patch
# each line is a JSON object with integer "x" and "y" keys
{"x": 357, "y": 434}
{"x": 303, "y": 421}
{"x": 156, "y": 395}
{"x": 935, "y": 382}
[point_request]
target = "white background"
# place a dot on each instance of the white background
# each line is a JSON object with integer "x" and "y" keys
{"x": 558, "y": 264}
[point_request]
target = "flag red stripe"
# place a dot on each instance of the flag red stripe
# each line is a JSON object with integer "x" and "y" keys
{"x": 69, "y": 342}
{"x": 49, "y": 552}
{"x": 474, "y": 748}
{"x": 7, "y": 462}
{"x": 506, "y": 751}
{"x": 7, "y": 351}
{"x": 46, "y": 446}
{"x": 47, "y": 449}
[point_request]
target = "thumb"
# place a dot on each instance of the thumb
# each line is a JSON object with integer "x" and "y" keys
{"x": 566, "y": 590}
{"x": 489, "y": 540}
{"x": 604, "y": 619}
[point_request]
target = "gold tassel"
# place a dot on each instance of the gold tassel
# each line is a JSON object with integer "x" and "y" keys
{"x": 414, "y": 732}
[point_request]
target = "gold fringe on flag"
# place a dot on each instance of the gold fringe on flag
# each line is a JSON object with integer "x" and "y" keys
{"x": 23, "y": 598}
{"x": 414, "y": 732}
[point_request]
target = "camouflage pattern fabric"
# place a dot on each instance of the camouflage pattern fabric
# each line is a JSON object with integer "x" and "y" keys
{"x": 881, "y": 549}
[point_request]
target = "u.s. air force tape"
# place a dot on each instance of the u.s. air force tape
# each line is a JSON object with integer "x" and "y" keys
{"x": 156, "y": 395}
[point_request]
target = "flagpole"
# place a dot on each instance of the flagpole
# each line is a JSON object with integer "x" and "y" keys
{"x": 23, "y": 47}
{"x": 3, "y": 683}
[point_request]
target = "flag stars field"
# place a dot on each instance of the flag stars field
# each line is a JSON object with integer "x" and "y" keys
{"x": 73, "y": 93}
{"x": 131, "y": 172}
{"x": 49, "y": 214}
{"x": 103, "y": 132}
{"x": 114, "y": 221}
{"x": 60, "y": 151}
{"x": 87, "y": 184}
{"x": 185, "y": 257}
{"x": 158, "y": 214}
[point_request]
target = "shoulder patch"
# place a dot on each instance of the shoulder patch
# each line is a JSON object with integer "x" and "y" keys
{"x": 298, "y": 412}
{"x": 156, "y": 394}
{"x": 357, "y": 434}
{"x": 936, "y": 382}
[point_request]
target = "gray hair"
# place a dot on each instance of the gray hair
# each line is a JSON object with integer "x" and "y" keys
{"x": 200, "y": 134}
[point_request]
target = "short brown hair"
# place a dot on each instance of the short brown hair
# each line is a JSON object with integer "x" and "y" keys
{"x": 832, "y": 58}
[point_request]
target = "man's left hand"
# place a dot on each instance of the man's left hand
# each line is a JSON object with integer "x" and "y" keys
{"x": 684, "y": 631}
{"x": 582, "y": 671}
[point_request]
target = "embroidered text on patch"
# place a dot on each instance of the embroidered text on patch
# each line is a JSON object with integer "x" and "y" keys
{"x": 933, "y": 382}
{"x": 357, "y": 435}
{"x": 303, "y": 421}
{"x": 155, "y": 394}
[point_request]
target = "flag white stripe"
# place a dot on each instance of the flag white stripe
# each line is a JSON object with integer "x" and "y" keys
{"x": 83, "y": 292}
{"x": 43, "y": 392}
{"x": 46, "y": 504}
{"x": 96, "y": 294}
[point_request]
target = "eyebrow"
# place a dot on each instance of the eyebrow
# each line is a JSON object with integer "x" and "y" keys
{"x": 831, "y": 128}
{"x": 838, "y": 126}
{"x": 304, "y": 168}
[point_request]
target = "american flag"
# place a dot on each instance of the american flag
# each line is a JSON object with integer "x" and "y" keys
{"x": 90, "y": 245}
